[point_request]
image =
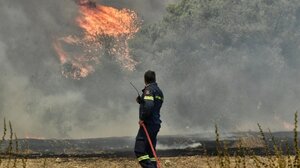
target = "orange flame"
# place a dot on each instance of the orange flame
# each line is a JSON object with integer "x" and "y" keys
{"x": 106, "y": 31}
{"x": 107, "y": 20}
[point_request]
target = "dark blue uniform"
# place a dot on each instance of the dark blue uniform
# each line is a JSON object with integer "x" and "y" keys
{"x": 149, "y": 112}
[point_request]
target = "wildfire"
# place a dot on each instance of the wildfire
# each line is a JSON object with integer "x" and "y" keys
{"x": 106, "y": 31}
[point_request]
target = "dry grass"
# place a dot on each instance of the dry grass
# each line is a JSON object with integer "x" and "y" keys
{"x": 174, "y": 162}
{"x": 242, "y": 158}
{"x": 245, "y": 157}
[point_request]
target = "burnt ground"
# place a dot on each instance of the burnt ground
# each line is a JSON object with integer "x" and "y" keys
{"x": 168, "y": 146}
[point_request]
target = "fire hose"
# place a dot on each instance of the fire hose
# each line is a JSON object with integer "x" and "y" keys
{"x": 151, "y": 145}
{"x": 147, "y": 134}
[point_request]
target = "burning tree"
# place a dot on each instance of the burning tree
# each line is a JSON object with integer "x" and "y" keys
{"x": 106, "y": 31}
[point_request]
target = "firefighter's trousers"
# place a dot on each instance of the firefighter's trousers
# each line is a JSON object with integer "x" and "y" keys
{"x": 142, "y": 147}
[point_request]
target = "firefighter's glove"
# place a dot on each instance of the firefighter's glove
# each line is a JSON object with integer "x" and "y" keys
{"x": 141, "y": 122}
{"x": 139, "y": 100}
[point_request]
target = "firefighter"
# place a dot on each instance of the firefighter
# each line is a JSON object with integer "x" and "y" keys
{"x": 149, "y": 113}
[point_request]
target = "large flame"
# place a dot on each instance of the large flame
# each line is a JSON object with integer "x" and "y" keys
{"x": 106, "y": 31}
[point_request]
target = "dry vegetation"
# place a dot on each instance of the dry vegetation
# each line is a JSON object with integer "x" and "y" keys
{"x": 12, "y": 157}
{"x": 174, "y": 162}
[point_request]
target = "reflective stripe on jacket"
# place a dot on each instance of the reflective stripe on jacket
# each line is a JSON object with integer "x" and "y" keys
{"x": 150, "y": 107}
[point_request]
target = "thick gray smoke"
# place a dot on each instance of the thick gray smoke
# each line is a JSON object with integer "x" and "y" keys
{"x": 35, "y": 96}
{"x": 234, "y": 63}
{"x": 211, "y": 70}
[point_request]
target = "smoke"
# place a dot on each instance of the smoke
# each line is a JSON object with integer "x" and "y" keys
{"x": 149, "y": 11}
{"x": 210, "y": 72}
{"x": 231, "y": 63}
{"x": 35, "y": 96}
